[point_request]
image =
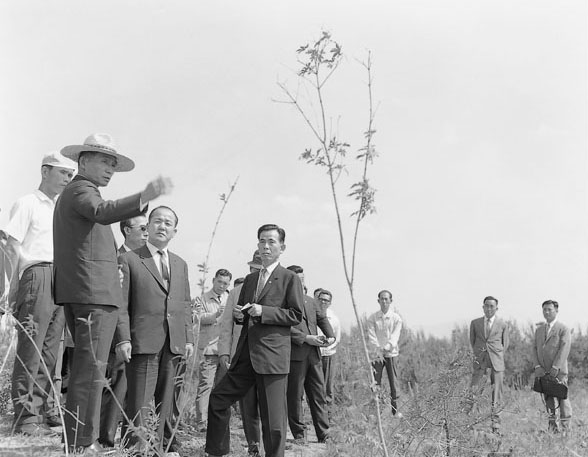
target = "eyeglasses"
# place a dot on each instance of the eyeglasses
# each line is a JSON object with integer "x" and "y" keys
{"x": 143, "y": 228}
{"x": 327, "y": 300}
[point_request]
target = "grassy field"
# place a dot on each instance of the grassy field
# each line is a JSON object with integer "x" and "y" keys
{"x": 434, "y": 424}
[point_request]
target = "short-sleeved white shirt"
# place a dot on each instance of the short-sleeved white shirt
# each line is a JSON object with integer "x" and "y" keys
{"x": 31, "y": 224}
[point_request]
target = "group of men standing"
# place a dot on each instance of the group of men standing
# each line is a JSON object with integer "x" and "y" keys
{"x": 129, "y": 312}
{"x": 489, "y": 338}
{"x": 130, "y": 317}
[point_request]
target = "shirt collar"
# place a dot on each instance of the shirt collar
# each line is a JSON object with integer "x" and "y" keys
{"x": 44, "y": 197}
{"x": 212, "y": 294}
{"x": 491, "y": 319}
{"x": 270, "y": 268}
{"x": 155, "y": 250}
{"x": 551, "y": 324}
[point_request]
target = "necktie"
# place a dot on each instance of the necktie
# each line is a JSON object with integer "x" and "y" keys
{"x": 547, "y": 331}
{"x": 260, "y": 283}
{"x": 487, "y": 328}
{"x": 164, "y": 268}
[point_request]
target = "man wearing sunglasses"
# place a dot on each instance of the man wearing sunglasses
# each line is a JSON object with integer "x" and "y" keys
{"x": 135, "y": 233}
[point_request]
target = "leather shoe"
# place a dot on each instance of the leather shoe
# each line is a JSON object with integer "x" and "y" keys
{"x": 53, "y": 421}
{"x": 34, "y": 429}
{"x": 94, "y": 449}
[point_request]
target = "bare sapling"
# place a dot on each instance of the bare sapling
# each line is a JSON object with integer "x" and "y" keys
{"x": 318, "y": 62}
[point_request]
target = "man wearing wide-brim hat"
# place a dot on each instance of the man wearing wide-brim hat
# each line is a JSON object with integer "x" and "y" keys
{"x": 87, "y": 280}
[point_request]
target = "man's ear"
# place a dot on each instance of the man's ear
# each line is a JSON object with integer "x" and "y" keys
{"x": 283, "y": 247}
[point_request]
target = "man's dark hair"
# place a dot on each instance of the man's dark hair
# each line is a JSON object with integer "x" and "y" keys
{"x": 123, "y": 224}
{"x": 550, "y": 302}
{"x": 296, "y": 269}
{"x": 266, "y": 227}
{"x": 326, "y": 292}
{"x": 223, "y": 272}
{"x": 385, "y": 292}
{"x": 238, "y": 281}
{"x": 490, "y": 297}
{"x": 164, "y": 207}
{"x": 316, "y": 290}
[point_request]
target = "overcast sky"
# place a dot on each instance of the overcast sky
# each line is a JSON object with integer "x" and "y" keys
{"x": 481, "y": 130}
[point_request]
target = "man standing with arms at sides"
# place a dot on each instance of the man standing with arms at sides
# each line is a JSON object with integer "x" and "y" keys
{"x": 272, "y": 302}
{"x": 134, "y": 231}
{"x": 489, "y": 337}
{"x": 30, "y": 252}
{"x": 87, "y": 280}
{"x": 306, "y": 372}
{"x": 231, "y": 325}
{"x": 154, "y": 329}
{"x": 324, "y": 300}
{"x": 384, "y": 328}
{"x": 209, "y": 309}
{"x": 550, "y": 355}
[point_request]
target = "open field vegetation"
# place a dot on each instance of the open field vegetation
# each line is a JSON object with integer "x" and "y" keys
{"x": 434, "y": 376}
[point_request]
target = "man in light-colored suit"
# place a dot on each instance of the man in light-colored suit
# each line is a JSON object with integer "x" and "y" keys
{"x": 154, "y": 329}
{"x": 86, "y": 275}
{"x": 272, "y": 301}
{"x": 550, "y": 355}
{"x": 489, "y": 338}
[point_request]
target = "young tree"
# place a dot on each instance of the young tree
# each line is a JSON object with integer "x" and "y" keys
{"x": 318, "y": 62}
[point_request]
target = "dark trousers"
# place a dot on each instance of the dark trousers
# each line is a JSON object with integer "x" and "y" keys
{"x": 113, "y": 400}
{"x": 390, "y": 365}
{"x": 271, "y": 393}
{"x": 328, "y": 376}
{"x": 307, "y": 376}
{"x": 249, "y": 407}
{"x": 92, "y": 328}
{"x": 37, "y": 349}
{"x": 151, "y": 377}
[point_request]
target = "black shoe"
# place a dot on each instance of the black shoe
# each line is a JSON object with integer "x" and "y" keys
{"x": 53, "y": 421}
{"x": 93, "y": 450}
{"x": 34, "y": 429}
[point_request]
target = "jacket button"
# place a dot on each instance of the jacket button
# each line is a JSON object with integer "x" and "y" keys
{"x": 168, "y": 315}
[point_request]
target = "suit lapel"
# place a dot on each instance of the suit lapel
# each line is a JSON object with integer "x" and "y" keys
{"x": 268, "y": 284}
{"x": 149, "y": 263}
{"x": 174, "y": 268}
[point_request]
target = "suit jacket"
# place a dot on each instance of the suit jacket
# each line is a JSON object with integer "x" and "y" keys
{"x": 491, "y": 348}
{"x": 554, "y": 351}
{"x": 85, "y": 253}
{"x": 268, "y": 338}
{"x": 313, "y": 315}
{"x": 150, "y": 311}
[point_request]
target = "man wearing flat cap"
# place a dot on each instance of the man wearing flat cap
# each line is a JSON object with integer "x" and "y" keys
{"x": 30, "y": 251}
{"x": 87, "y": 280}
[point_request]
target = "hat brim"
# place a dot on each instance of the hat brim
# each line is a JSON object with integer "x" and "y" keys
{"x": 123, "y": 163}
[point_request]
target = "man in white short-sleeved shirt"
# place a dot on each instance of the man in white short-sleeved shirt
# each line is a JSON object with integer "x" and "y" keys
{"x": 30, "y": 249}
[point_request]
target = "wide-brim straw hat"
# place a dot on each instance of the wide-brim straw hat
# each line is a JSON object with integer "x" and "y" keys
{"x": 99, "y": 142}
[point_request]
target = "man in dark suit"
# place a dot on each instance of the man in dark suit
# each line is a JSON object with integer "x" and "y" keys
{"x": 306, "y": 370}
{"x": 87, "y": 280}
{"x": 154, "y": 330}
{"x": 489, "y": 337}
{"x": 550, "y": 354}
{"x": 272, "y": 301}
{"x": 134, "y": 231}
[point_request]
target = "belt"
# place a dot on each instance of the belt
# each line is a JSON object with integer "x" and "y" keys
{"x": 40, "y": 265}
